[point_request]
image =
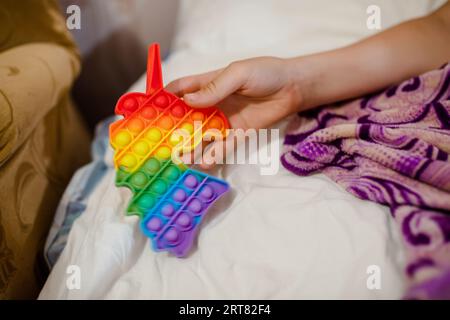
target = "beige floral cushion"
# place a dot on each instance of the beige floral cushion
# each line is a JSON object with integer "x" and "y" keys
{"x": 42, "y": 137}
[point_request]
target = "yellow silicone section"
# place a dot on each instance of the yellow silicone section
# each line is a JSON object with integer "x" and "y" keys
{"x": 135, "y": 142}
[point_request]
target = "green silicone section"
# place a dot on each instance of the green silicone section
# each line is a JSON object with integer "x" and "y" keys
{"x": 149, "y": 183}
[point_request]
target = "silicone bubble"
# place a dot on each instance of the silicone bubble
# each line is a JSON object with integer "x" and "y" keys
{"x": 178, "y": 111}
{"x": 146, "y": 201}
{"x": 154, "y": 224}
{"x": 162, "y": 101}
{"x": 130, "y": 104}
{"x": 170, "y": 198}
{"x": 215, "y": 123}
{"x": 136, "y": 125}
{"x": 195, "y": 206}
{"x": 179, "y": 195}
{"x": 206, "y": 192}
{"x": 165, "y": 122}
{"x": 123, "y": 138}
{"x": 190, "y": 181}
{"x": 198, "y": 116}
{"x": 159, "y": 187}
{"x": 175, "y": 139}
{"x": 168, "y": 209}
{"x": 172, "y": 235}
{"x": 154, "y": 134}
{"x": 141, "y": 147}
{"x": 128, "y": 161}
{"x": 121, "y": 175}
{"x": 171, "y": 173}
{"x": 188, "y": 127}
{"x": 163, "y": 152}
{"x": 149, "y": 113}
{"x": 139, "y": 180}
{"x": 152, "y": 166}
{"x": 184, "y": 220}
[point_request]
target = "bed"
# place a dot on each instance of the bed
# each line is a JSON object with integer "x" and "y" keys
{"x": 271, "y": 237}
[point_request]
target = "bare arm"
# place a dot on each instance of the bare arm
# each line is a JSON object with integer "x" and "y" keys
{"x": 389, "y": 57}
{"x": 258, "y": 92}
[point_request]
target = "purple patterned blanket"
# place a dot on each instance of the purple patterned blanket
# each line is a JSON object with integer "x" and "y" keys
{"x": 393, "y": 148}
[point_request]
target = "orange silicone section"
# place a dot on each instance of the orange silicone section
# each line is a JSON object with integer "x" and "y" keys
{"x": 149, "y": 128}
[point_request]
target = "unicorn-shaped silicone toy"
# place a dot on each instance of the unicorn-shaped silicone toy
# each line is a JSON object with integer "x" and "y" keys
{"x": 170, "y": 198}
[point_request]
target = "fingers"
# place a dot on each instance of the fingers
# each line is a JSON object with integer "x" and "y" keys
{"x": 217, "y": 152}
{"x": 224, "y": 84}
{"x": 209, "y": 88}
{"x": 207, "y": 154}
{"x": 189, "y": 84}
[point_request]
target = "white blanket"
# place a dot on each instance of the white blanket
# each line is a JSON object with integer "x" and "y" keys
{"x": 272, "y": 237}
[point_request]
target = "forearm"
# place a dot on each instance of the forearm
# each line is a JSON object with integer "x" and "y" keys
{"x": 389, "y": 57}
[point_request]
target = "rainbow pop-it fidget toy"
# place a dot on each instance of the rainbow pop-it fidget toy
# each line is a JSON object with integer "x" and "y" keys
{"x": 169, "y": 197}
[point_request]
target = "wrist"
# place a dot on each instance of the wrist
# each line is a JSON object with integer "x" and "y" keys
{"x": 304, "y": 76}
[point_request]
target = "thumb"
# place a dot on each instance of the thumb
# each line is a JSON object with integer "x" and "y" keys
{"x": 224, "y": 84}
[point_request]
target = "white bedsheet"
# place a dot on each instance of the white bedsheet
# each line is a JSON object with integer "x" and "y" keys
{"x": 272, "y": 237}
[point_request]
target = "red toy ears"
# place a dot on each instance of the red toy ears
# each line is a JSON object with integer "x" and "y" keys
{"x": 154, "y": 73}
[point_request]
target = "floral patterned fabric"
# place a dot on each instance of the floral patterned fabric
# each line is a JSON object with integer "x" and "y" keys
{"x": 393, "y": 148}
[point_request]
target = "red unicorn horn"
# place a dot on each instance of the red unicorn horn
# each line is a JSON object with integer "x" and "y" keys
{"x": 154, "y": 74}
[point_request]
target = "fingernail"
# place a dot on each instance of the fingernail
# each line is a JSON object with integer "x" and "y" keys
{"x": 190, "y": 96}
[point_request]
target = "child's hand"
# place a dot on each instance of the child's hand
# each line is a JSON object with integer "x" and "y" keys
{"x": 253, "y": 93}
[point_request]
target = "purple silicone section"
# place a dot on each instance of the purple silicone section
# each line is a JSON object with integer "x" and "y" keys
{"x": 182, "y": 244}
{"x": 173, "y": 223}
